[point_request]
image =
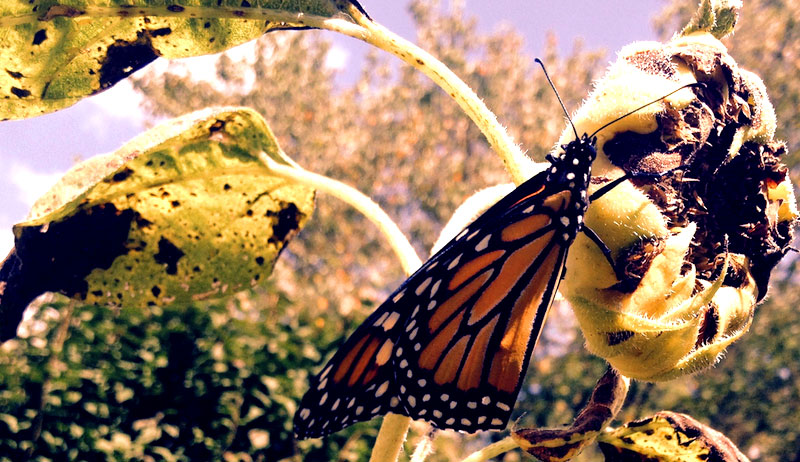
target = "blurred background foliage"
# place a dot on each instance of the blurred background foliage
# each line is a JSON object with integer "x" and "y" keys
{"x": 221, "y": 381}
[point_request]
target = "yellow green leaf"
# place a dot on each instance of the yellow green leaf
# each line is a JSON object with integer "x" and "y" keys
{"x": 56, "y": 52}
{"x": 183, "y": 212}
{"x": 668, "y": 437}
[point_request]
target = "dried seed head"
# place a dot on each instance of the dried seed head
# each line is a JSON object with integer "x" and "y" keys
{"x": 694, "y": 249}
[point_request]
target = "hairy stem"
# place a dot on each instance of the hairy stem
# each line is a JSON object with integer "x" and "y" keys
{"x": 390, "y": 438}
{"x": 493, "y": 450}
{"x": 400, "y": 245}
{"x": 497, "y": 136}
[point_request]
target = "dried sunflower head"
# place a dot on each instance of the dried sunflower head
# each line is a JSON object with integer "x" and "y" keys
{"x": 694, "y": 249}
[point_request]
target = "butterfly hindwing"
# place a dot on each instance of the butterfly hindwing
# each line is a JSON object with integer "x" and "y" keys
{"x": 357, "y": 384}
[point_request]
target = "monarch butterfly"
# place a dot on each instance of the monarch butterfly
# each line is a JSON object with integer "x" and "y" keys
{"x": 451, "y": 345}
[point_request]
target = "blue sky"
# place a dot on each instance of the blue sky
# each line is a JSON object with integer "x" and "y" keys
{"x": 35, "y": 152}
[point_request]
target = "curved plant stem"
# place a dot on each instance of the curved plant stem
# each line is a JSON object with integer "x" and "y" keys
{"x": 390, "y": 438}
{"x": 381, "y": 37}
{"x": 493, "y": 450}
{"x": 402, "y": 248}
{"x": 394, "y": 428}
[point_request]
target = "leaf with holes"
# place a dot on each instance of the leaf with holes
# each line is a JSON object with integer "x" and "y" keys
{"x": 56, "y": 52}
{"x": 668, "y": 437}
{"x": 183, "y": 212}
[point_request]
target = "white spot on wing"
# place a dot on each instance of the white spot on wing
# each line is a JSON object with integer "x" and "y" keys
{"x": 496, "y": 422}
{"x": 391, "y": 321}
{"x": 398, "y": 296}
{"x": 450, "y": 421}
{"x": 412, "y": 401}
{"x": 503, "y": 406}
{"x": 380, "y": 320}
{"x": 484, "y": 243}
{"x": 454, "y": 263}
{"x": 435, "y": 287}
{"x": 382, "y": 389}
{"x": 305, "y": 413}
{"x": 421, "y": 288}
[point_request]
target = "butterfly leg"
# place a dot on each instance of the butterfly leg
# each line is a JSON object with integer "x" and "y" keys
{"x": 632, "y": 176}
{"x": 605, "y": 189}
{"x": 603, "y": 248}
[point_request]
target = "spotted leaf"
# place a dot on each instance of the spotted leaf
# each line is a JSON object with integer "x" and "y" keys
{"x": 56, "y": 52}
{"x": 668, "y": 437}
{"x": 181, "y": 213}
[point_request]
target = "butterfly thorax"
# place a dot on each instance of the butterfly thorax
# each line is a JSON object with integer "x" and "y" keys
{"x": 571, "y": 171}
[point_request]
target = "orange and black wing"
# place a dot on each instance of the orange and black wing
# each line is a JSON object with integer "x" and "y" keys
{"x": 476, "y": 317}
{"x": 452, "y": 343}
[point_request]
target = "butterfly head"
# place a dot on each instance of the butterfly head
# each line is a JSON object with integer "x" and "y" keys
{"x": 572, "y": 166}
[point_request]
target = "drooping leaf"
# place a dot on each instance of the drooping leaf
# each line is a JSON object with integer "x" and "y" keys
{"x": 56, "y": 52}
{"x": 668, "y": 437}
{"x": 181, "y": 213}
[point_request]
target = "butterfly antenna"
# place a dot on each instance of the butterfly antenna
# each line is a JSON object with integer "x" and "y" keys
{"x": 564, "y": 108}
{"x": 695, "y": 84}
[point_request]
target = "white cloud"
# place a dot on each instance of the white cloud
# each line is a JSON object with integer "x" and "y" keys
{"x": 120, "y": 101}
{"x": 31, "y": 185}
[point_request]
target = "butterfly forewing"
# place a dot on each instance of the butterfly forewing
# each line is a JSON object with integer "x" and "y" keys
{"x": 452, "y": 343}
{"x": 468, "y": 340}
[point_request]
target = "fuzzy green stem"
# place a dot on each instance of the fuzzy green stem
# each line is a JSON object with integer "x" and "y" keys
{"x": 499, "y": 139}
{"x": 394, "y": 427}
{"x": 390, "y": 438}
{"x": 493, "y": 450}
{"x": 400, "y": 245}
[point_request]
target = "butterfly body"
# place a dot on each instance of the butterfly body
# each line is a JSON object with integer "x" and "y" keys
{"x": 451, "y": 345}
